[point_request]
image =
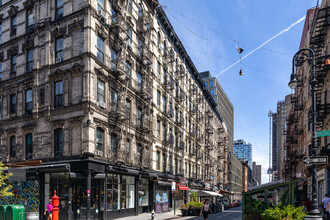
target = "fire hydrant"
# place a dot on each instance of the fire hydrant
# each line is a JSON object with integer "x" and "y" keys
{"x": 55, "y": 204}
{"x": 153, "y": 215}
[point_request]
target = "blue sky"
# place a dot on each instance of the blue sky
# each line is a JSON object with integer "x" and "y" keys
{"x": 266, "y": 72}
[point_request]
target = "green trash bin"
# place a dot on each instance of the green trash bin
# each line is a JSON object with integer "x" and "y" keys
{"x": 15, "y": 212}
{"x": 3, "y": 211}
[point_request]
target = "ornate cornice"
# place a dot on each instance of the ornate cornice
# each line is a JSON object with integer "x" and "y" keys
{"x": 13, "y": 10}
{"x": 28, "y": 4}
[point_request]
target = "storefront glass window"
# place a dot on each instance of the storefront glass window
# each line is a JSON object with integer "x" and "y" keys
{"x": 113, "y": 188}
{"x": 60, "y": 183}
{"x": 128, "y": 198}
{"x": 143, "y": 192}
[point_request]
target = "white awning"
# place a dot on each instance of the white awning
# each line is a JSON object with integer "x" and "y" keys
{"x": 208, "y": 193}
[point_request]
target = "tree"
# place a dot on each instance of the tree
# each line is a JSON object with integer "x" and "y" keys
{"x": 5, "y": 186}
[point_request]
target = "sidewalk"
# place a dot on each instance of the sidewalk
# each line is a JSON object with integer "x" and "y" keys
{"x": 160, "y": 216}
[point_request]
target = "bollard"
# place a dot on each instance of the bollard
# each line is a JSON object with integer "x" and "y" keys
{"x": 153, "y": 215}
{"x": 55, "y": 204}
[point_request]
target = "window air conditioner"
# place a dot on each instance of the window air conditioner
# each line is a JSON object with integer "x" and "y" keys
{"x": 59, "y": 59}
{"x": 102, "y": 104}
{"x": 99, "y": 153}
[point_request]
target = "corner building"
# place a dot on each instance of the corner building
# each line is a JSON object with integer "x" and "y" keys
{"x": 100, "y": 101}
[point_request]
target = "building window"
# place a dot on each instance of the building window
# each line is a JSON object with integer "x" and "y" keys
{"x": 0, "y": 33}
{"x": 164, "y": 104}
{"x": 164, "y": 132}
{"x": 139, "y": 153}
{"x": 13, "y": 104}
{"x": 100, "y": 5}
{"x": 12, "y": 152}
{"x": 157, "y": 160}
{"x": 114, "y": 99}
{"x": 164, "y": 76}
{"x": 206, "y": 84}
{"x": 130, "y": 5}
{"x": 99, "y": 139}
{"x": 100, "y": 42}
{"x": 29, "y": 60}
{"x": 58, "y": 94}
{"x": 13, "y": 25}
{"x": 128, "y": 192}
{"x": 139, "y": 117}
{"x": 59, "y": 49}
{"x": 114, "y": 16}
{"x": 128, "y": 109}
{"x": 28, "y": 147}
{"x": 58, "y": 142}
{"x": 0, "y": 108}
{"x": 128, "y": 149}
{"x": 140, "y": 11}
{"x": 0, "y": 71}
{"x": 113, "y": 60}
{"x": 129, "y": 37}
{"x": 158, "y": 128}
{"x": 140, "y": 47}
{"x": 212, "y": 92}
{"x": 158, "y": 98}
{"x": 28, "y": 102}
{"x": 158, "y": 40}
{"x": 164, "y": 162}
{"x": 13, "y": 64}
{"x": 100, "y": 91}
{"x": 139, "y": 81}
{"x": 59, "y": 9}
{"x": 128, "y": 68}
{"x": 114, "y": 142}
{"x": 29, "y": 18}
{"x": 211, "y": 83}
{"x": 158, "y": 71}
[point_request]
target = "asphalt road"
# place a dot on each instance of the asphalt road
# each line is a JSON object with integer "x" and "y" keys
{"x": 229, "y": 214}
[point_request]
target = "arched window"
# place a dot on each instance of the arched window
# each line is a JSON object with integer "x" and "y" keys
{"x": 114, "y": 142}
{"x": 99, "y": 139}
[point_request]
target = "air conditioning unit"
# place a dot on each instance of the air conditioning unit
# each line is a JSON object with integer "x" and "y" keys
{"x": 59, "y": 59}
{"x": 102, "y": 104}
{"x": 103, "y": 15}
{"x": 99, "y": 153}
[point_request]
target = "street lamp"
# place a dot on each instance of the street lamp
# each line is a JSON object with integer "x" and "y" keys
{"x": 299, "y": 58}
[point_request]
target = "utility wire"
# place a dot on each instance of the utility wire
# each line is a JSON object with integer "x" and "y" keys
{"x": 231, "y": 40}
{"x": 264, "y": 43}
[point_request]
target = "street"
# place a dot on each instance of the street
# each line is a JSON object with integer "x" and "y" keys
{"x": 230, "y": 214}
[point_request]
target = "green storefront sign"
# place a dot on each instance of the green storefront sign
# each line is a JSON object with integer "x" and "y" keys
{"x": 323, "y": 133}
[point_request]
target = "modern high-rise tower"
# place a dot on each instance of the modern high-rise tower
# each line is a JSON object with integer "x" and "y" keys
{"x": 243, "y": 150}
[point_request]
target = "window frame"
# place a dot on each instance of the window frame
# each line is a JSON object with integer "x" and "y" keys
{"x": 13, "y": 64}
{"x": 139, "y": 117}
{"x": 12, "y": 146}
{"x": 59, "y": 52}
{"x": 99, "y": 143}
{"x": 13, "y": 25}
{"x": 59, "y": 9}
{"x": 28, "y": 109}
{"x": 29, "y": 60}
{"x": 58, "y": 96}
{"x": 12, "y": 106}
{"x": 29, "y": 12}
{"x": 28, "y": 147}
{"x": 58, "y": 142}
{"x": 100, "y": 93}
{"x": 100, "y": 48}
{"x": 158, "y": 160}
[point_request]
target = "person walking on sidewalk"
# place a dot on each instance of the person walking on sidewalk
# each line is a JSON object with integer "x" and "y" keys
{"x": 206, "y": 209}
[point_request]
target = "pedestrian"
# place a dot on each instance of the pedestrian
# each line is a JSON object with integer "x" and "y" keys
{"x": 206, "y": 209}
{"x": 307, "y": 204}
{"x": 325, "y": 202}
{"x": 48, "y": 211}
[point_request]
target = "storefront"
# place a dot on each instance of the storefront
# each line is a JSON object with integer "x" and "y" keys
{"x": 163, "y": 197}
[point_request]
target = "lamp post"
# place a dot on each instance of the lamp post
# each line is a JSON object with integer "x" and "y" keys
{"x": 300, "y": 57}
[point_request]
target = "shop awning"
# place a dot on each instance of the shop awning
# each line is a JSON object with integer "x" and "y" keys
{"x": 183, "y": 187}
{"x": 208, "y": 193}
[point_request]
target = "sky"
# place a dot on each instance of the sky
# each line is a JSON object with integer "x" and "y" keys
{"x": 211, "y": 29}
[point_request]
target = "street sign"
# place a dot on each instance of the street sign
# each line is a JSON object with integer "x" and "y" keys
{"x": 323, "y": 133}
{"x": 316, "y": 160}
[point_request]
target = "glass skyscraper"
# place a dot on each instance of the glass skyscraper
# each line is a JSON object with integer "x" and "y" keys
{"x": 243, "y": 151}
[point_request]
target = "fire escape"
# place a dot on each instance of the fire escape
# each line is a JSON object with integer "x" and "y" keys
{"x": 319, "y": 43}
{"x": 120, "y": 113}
